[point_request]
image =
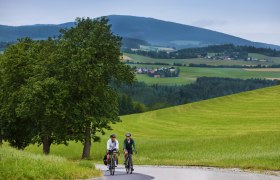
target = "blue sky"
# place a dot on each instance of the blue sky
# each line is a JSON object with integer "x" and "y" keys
{"x": 257, "y": 20}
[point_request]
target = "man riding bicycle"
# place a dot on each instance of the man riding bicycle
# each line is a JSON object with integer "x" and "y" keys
{"x": 112, "y": 147}
{"x": 129, "y": 147}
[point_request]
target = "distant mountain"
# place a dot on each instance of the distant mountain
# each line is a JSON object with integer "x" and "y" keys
{"x": 152, "y": 31}
{"x": 38, "y": 31}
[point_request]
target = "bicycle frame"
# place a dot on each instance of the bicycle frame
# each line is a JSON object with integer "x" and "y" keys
{"x": 128, "y": 163}
{"x": 112, "y": 163}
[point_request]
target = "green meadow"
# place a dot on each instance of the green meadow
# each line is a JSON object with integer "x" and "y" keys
{"x": 274, "y": 60}
{"x": 241, "y": 130}
{"x": 144, "y": 59}
{"x": 190, "y": 74}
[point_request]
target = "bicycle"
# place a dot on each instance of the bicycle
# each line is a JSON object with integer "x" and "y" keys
{"x": 112, "y": 166}
{"x": 129, "y": 163}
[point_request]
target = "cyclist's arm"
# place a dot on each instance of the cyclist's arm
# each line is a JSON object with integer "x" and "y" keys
{"x": 117, "y": 145}
{"x": 134, "y": 146}
{"x": 124, "y": 145}
{"x": 108, "y": 145}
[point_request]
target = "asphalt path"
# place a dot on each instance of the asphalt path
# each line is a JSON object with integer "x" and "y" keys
{"x": 182, "y": 173}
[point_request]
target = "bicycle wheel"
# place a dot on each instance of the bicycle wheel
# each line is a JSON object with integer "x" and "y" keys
{"x": 112, "y": 167}
{"x": 127, "y": 165}
{"x": 130, "y": 165}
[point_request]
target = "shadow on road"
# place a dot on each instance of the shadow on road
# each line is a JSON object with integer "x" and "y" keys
{"x": 120, "y": 175}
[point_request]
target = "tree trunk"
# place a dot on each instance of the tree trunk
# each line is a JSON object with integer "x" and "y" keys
{"x": 87, "y": 144}
{"x": 46, "y": 145}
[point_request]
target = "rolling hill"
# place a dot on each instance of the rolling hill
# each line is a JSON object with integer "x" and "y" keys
{"x": 241, "y": 130}
{"x": 153, "y": 31}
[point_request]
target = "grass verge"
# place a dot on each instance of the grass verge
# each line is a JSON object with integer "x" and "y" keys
{"x": 15, "y": 164}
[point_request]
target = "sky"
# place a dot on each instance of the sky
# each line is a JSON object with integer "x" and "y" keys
{"x": 256, "y": 20}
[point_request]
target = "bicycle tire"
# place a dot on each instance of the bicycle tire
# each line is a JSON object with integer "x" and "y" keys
{"x": 112, "y": 166}
{"x": 130, "y": 166}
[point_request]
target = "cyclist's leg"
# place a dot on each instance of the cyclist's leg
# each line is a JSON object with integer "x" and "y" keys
{"x": 125, "y": 155}
{"x": 115, "y": 158}
{"x": 108, "y": 159}
{"x": 131, "y": 159}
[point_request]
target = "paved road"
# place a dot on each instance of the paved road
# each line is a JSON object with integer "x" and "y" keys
{"x": 182, "y": 173}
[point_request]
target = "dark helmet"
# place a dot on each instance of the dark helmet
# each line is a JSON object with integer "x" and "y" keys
{"x": 113, "y": 136}
{"x": 127, "y": 134}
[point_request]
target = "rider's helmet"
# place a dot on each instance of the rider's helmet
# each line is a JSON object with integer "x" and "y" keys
{"x": 113, "y": 136}
{"x": 127, "y": 134}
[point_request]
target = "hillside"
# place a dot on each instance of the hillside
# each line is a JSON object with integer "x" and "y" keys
{"x": 17, "y": 164}
{"x": 155, "y": 32}
{"x": 241, "y": 130}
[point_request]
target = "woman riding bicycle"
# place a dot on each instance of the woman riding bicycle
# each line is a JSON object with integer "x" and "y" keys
{"x": 129, "y": 147}
{"x": 112, "y": 147}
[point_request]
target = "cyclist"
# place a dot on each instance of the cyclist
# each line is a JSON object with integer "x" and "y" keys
{"x": 112, "y": 147}
{"x": 129, "y": 147}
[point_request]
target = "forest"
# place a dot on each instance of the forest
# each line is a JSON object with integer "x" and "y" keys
{"x": 234, "y": 66}
{"x": 229, "y": 50}
{"x": 4, "y": 45}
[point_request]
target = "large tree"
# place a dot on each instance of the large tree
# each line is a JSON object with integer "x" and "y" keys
{"x": 90, "y": 55}
{"x": 32, "y": 98}
{"x": 16, "y": 67}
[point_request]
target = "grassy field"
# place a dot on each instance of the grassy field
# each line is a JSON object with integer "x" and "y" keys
{"x": 227, "y": 72}
{"x": 165, "y": 81}
{"x": 15, "y": 164}
{"x": 241, "y": 130}
{"x": 138, "y": 58}
{"x": 275, "y": 60}
{"x": 190, "y": 74}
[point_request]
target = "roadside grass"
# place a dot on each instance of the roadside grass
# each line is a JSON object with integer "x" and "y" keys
{"x": 16, "y": 164}
{"x": 237, "y": 131}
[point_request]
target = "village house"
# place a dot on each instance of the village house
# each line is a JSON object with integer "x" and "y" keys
{"x": 159, "y": 72}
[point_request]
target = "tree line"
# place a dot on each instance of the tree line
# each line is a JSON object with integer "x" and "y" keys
{"x": 235, "y": 66}
{"x": 140, "y": 97}
{"x": 4, "y": 45}
{"x": 128, "y": 43}
{"x": 59, "y": 90}
{"x": 230, "y": 50}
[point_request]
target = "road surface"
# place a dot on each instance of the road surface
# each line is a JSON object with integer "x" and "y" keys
{"x": 182, "y": 173}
